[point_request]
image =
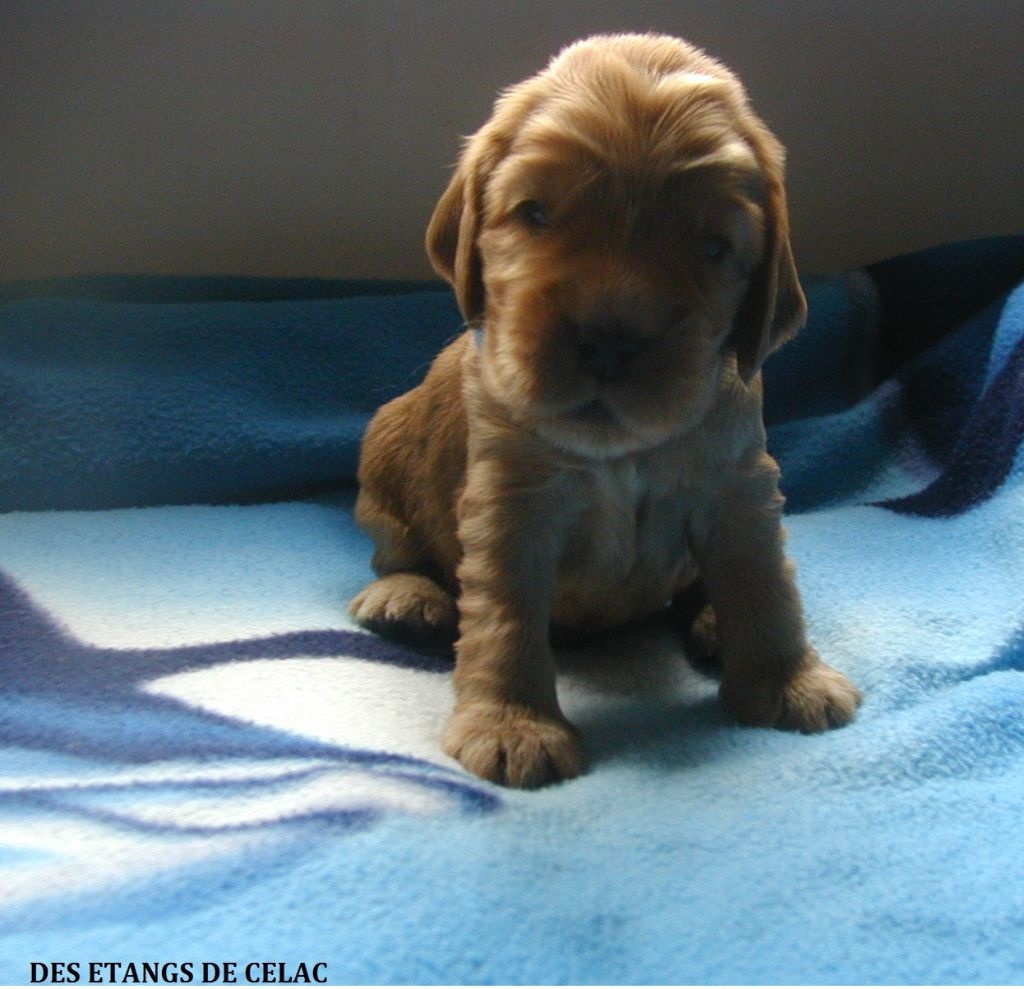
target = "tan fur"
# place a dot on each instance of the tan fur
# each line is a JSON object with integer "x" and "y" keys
{"x": 619, "y": 231}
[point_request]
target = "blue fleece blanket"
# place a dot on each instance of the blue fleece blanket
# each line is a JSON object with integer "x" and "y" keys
{"x": 205, "y": 765}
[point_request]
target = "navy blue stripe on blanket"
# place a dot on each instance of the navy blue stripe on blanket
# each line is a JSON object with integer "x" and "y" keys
{"x": 925, "y": 295}
{"x": 984, "y": 451}
{"x": 31, "y": 643}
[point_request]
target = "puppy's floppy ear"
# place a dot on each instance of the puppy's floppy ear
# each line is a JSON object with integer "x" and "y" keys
{"x": 774, "y": 307}
{"x": 453, "y": 228}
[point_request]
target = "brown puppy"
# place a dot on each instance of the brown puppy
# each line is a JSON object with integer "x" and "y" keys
{"x": 617, "y": 237}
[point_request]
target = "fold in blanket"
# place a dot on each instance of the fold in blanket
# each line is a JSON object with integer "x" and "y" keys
{"x": 203, "y": 760}
{"x": 137, "y": 391}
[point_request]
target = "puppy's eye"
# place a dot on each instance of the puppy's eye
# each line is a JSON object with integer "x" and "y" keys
{"x": 533, "y": 214}
{"x": 715, "y": 248}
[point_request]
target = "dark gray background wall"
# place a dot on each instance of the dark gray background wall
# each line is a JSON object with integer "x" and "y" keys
{"x": 311, "y": 137}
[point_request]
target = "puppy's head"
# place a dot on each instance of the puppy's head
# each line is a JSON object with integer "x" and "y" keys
{"x": 619, "y": 228}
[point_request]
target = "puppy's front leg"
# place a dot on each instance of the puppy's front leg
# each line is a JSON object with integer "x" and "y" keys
{"x": 507, "y": 725}
{"x": 772, "y": 677}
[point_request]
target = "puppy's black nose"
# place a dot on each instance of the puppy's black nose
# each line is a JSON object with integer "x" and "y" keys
{"x": 606, "y": 350}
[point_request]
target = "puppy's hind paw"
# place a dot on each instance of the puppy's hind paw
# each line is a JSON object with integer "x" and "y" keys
{"x": 407, "y": 607}
{"x": 816, "y": 698}
{"x": 513, "y": 745}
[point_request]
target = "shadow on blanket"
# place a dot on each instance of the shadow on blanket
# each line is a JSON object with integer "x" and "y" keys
{"x": 204, "y": 760}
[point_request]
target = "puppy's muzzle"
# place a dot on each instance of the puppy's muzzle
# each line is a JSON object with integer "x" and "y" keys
{"x": 607, "y": 350}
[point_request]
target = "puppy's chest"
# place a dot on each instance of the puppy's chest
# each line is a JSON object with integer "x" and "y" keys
{"x": 627, "y": 552}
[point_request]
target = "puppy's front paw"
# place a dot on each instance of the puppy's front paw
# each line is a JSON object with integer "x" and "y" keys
{"x": 815, "y": 699}
{"x": 513, "y": 745}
